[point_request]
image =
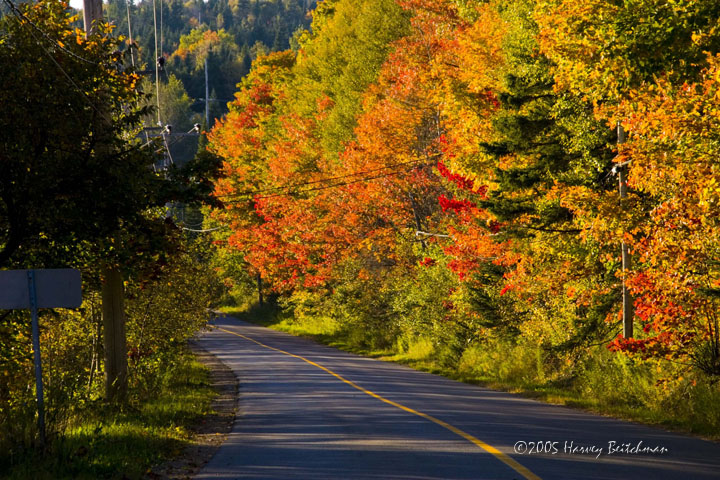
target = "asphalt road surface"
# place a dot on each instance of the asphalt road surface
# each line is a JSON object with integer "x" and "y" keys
{"x": 311, "y": 412}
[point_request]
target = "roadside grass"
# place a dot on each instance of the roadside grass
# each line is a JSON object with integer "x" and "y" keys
{"x": 323, "y": 330}
{"x": 610, "y": 385}
{"x": 105, "y": 443}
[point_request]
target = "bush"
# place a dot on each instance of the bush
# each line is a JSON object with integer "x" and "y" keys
{"x": 163, "y": 312}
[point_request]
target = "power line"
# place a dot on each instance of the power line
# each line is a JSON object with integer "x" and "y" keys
{"x": 157, "y": 65}
{"x": 315, "y": 189}
{"x": 203, "y": 231}
{"x": 22, "y": 16}
{"x": 193, "y": 225}
{"x": 323, "y": 180}
{"x": 19, "y": 15}
{"x": 167, "y": 149}
{"x": 162, "y": 51}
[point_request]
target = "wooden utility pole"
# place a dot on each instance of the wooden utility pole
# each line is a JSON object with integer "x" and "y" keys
{"x": 259, "y": 287}
{"x": 114, "y": 341}
{"x": 628, "y": 310}
{"x": 92, "y": 14}
{"x": 207, "y": 97}
{"x": 113, "y": 305}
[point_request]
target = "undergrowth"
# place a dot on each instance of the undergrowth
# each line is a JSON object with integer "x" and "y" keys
{"x": 106, "y": 443}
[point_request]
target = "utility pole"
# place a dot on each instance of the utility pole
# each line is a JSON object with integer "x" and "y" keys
{"x": 418, "y": 225}
{"x": 92, "y": 14}
{"x": 259, "y": 287}
{"x": 628, "y": 311}
{"x": 207, "y": 98}
{"x": 113, "y": 308}
{"x": 113, "y": 315}
{"x": 132, "y": 54}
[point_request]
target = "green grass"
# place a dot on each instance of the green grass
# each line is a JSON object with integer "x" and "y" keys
{"x": 322, "y": 330}
{"x": 610, "y": 386}
{"x": 111, "y": 444}
{"x": 698, "y": 415}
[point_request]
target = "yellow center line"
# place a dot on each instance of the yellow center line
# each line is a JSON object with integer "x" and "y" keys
{"x": 527, "y": 474}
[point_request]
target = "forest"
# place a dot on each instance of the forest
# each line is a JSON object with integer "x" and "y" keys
{"x": 203, "y": 46}
{"x": 230, "y": 34}
{"x": 453, "y": 182}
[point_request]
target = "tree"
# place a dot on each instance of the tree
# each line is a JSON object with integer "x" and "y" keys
{"x": 605, "y": 49}
{"x": 57, "y": 191}
{"x": 341, "y": 58}
{"x": 650, "y": 67}
{"x": 78, "y": 186}
{"x": 672, "y": 149}
{"x": 175, "y": 105}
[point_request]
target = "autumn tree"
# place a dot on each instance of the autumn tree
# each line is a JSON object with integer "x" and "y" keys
{"x": 640, "y": 78}
{"x": 340, "y": 58}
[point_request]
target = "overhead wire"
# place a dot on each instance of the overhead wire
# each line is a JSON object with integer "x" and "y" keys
{"x": 148, "y": 137}
{"x": 157, "y": 66}
{"x": 203, "y": 231}
{"x": 167, "y": 149}
{"x": 193, "y": 225}
{"x": 327, "y": 179}
{"x": 253, "y": 194}
{"x": 20, "y": 16}
{"x": 162, "y": 51}
{"x": 157, "y": 69}
{"x": 105, "y": 13}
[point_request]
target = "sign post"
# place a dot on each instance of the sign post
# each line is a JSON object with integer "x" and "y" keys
{"x": 35, "y": 289}
{"x": 32, "y": 293}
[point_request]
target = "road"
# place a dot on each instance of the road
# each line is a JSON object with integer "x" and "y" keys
{"x": 311, "y": 412}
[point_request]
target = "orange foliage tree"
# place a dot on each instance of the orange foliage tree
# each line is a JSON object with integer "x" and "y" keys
{"x": 476, "y": 150}
{"x": 658, "y": 81}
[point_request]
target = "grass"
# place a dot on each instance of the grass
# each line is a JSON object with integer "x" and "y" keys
{"x": 111, "y": 444}
{"x": 613, "y": 389}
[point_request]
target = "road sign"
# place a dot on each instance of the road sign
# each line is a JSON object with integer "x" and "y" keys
{"x": 34, "y": 289}
{"x": 56, "y": 288}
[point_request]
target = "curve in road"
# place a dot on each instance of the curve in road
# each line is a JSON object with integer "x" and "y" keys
{"x": 311, "y": 412}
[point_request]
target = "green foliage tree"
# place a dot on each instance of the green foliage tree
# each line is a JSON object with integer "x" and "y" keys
{"x": 66, "y": 180}
{"x": 544, "y": 143}
{"x": 263, "y": 22}
{"x": 341, "y": 58}
{"x": 79, "y": 189}
{"x": 175, "y": 105}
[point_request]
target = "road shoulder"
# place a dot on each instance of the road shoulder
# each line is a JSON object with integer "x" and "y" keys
{"x": 210, "y": 431}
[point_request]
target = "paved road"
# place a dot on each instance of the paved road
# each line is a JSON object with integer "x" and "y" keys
{"x": 310, "y": 412}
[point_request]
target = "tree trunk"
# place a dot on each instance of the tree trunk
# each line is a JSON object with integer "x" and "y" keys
{"x": 113, "y": 312}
